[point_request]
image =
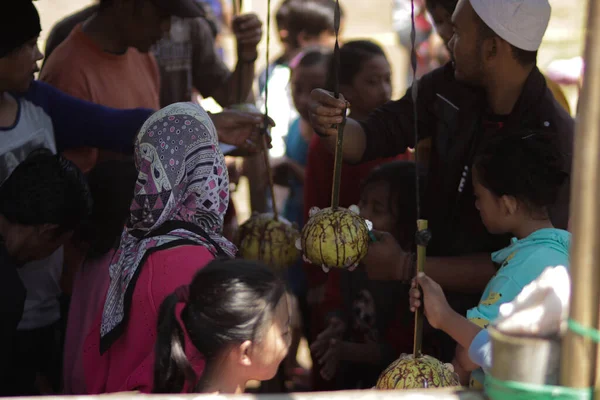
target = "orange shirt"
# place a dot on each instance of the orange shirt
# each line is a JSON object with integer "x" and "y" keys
{"x": 82, "y": 69}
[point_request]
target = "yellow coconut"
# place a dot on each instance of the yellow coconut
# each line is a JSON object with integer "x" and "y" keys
{"x": 424, "y": 372}
{"x": 335, "y": 238}
{"x": 262, "y": 238}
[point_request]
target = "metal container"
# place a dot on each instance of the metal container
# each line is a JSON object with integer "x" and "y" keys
{"x": 525, "y": 359}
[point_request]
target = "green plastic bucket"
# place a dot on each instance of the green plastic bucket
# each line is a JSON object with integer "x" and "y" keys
{"x": 497, "y": 389}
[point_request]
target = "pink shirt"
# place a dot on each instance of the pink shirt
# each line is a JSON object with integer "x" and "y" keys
{"x": 89, "y": 289}
{"x": 129, "y": 363}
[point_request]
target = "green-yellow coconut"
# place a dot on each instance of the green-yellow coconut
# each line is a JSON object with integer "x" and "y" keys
{"x": 335, "y": 238}
{"x": 262, "y": 238}
{"x": 424, "y": 372}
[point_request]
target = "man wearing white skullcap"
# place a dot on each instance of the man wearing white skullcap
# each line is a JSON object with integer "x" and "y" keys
{"x": 497, "y": 39}
{"x": 492, "y": 87}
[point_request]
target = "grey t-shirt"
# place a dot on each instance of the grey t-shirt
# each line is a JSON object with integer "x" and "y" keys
{"x": 33, "y": 130}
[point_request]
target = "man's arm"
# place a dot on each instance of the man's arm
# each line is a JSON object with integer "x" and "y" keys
{"x": 210, "y": 75}
{"x": 231, "y": 92}
{"x": 387, "y": 132}
{"x": 79, "y": 123}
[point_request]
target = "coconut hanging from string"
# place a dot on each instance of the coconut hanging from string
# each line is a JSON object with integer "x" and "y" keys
{"x": 424, "y": 372}
{"x": 335, "y": 237}
{"x": 417, "y": 370}
{"x": 266, "y": 237}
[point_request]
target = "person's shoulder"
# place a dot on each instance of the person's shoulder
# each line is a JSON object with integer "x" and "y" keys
{"x": 200, "y": 29}
{"x": 67, "y": 24}
{"x": 180, "y": 254}
{"x": 63, "y": 28}
{"x": 441, "y": 76}
{"x": 67, "y": 60}
{"x": 543, "y": 248}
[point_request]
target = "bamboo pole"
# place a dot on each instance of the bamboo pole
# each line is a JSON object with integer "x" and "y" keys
{"x": 422, "y": 225}
{"x": 578, "y": 353}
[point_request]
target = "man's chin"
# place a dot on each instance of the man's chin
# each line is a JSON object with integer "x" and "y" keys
{"x": 465, "y": 81}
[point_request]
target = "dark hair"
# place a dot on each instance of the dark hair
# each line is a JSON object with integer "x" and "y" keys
{"x": 111, "y": 186}
{"x": 281, "y": 15}
{"x": 229, "y": 302}
{"x": 400, "y": 177}
{"x": 312, "y": 56}
{"x": 527, "y": 165}
{"x": 353, "y": 55}
{"x": 524, "y": 58}
{"x": 46, "y": 189}
{"x": 312, "y": 17}
{"x": 448, "y": 5}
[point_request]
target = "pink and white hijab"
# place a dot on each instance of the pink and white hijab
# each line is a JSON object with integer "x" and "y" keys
{"x": 181, "y": 196}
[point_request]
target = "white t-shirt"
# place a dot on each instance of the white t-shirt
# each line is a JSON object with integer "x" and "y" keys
{"x": 33, "y": 130}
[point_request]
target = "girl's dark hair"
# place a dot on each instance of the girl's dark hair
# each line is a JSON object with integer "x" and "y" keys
{"x": 449, "y": 5}
{"x": 281, "y": 15}
{"x": 111, "y": 186}
{"x": 353, "y": 55}
{"x": 229, "y": 302}
{"x": 312, "y": 17}
{"x": 527, "y": 165}
{"x": 311, "y": 56}
{"x": 400, "y": 177}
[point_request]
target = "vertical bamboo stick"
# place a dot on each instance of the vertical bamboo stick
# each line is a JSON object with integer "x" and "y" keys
{"x": 421, "y": 254}
{"x": 339, "y": 146}
{"x": 578, "y": 353}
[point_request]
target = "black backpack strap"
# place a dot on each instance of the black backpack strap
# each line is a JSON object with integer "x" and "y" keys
{"x": 170, "y": 226}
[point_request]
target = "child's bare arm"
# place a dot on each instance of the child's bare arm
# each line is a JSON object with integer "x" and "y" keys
{"x": 439, "y": 313}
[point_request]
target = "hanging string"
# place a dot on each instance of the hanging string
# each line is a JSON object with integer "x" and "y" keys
{"x": 266, "y": 122}
{"x": 339, "y": 148}
{"x": 422, "y": 235}
{"x": 414, "y": 93}
{"x": 237, "y": 11}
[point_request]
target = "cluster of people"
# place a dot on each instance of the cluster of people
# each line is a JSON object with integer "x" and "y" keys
{"x": 118, "y": 271}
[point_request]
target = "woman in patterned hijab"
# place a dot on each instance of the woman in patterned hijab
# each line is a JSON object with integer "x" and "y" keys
{"x": 174, "y": 229}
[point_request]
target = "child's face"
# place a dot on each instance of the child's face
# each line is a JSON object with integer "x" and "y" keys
{"x": 371, "y": 87}
{"x": 442, "y": 20}
{"x": 271, "y": 351}
{"x": 491, "y": 209}
{"x": 304, "y": 80}
{"x": 375, "y": 206}
{"x": 18, "y": 68}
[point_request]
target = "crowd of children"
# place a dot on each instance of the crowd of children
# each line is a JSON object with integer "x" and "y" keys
{"x": 125, "y": 278}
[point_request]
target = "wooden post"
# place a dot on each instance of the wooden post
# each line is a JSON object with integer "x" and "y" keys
{"x": 578, "y": 353}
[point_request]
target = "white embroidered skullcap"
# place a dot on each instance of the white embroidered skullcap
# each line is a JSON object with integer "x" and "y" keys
{"x": 521, "y": 23}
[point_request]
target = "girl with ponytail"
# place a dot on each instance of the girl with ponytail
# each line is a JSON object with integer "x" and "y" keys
{"x": 234, "y": 317}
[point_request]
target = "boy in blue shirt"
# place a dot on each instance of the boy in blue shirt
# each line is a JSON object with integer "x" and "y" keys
{"x": 515, "y": 178}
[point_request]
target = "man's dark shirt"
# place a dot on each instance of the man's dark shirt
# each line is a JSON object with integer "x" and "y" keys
{"x": 454, "y": 116}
